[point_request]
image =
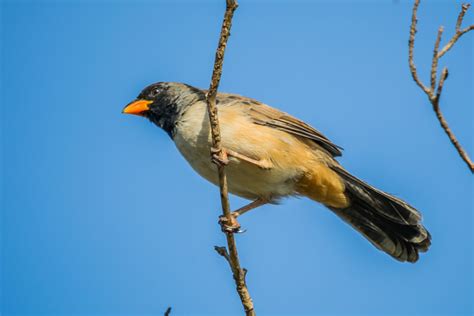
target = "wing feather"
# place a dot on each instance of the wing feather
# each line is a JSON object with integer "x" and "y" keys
{"x": 263, "y": 114}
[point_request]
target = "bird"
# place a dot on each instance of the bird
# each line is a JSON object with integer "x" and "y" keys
{"x": 271, "y": 155}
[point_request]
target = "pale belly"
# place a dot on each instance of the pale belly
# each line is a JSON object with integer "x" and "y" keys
{"x": 244, "y": 179}
{"x": 192, "y": 138}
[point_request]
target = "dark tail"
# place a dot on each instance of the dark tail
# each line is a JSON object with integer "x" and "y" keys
{"x": 386, "y": 221}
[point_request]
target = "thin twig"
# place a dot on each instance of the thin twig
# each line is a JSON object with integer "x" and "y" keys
{"x": 223, "y": 252}
{"x": 411, "y": 46}
{"x": 233, "y": 258}
{"x": 444, "y": 76}
{"x": 459, "y": 32}
{"x": 168, "y": 311}
{"x": 434, "y": 64}
{"x": 454, "y": 39}
{"x": 464, "y": 9}
{"x": 451, "y": 136}
{"x": 434, "y": 96}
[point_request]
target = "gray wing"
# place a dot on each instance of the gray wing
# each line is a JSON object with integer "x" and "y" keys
{"x": 263, "y": 114}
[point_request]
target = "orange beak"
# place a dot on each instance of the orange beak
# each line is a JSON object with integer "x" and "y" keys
{"x": 137, "y": 107}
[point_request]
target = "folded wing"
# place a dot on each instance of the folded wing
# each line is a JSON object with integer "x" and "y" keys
{"x": 265, "y": 115}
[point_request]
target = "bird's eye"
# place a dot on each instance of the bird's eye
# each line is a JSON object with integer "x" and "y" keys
{"x": 155, "y": 92}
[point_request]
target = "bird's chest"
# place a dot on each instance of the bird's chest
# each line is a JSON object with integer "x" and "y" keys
{"x": 193, "y": 140}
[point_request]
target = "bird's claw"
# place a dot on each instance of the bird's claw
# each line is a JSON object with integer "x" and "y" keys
{"x": 230, "y": 224}
{"x": 217, "y": 158}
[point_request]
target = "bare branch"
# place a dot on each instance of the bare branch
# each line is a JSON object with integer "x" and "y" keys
{"x": 223, "y": 252}
{"x": 464, "y": 9}
{"x": 233, "y": 258}
{"x": 435, "y": 98}
{"x": 452, "y": 137}
{"x": 454, "y": 39}
{"x": 168, "y": 311}
{"x": 459, "y": 32}
{"x": 411, "y": 48}
{"x": 434, "y": 64}
{"x": 444, "y": 76}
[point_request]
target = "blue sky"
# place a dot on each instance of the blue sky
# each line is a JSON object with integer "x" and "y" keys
{"x": 102, "y": 216}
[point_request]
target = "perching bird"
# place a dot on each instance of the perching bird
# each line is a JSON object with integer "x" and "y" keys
{"x": 272, "y": 155}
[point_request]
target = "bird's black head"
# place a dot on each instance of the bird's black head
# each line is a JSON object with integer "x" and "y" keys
{"x": 164, "y": 103}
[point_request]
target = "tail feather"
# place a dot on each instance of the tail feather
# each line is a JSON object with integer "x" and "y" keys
{"x": 387, "y": 222}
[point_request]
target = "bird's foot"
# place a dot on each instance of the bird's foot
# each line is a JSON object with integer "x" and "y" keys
{"x": 230, "y": 224}
{"x": 219, "y": 156}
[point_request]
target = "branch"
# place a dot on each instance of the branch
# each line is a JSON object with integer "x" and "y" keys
{"x": 433, "y": 96}
{"x": 411, "y": 46}
{"x": 232, "y": 256}
{"x": 459, "y": 32}
{"x": 223, "y": 252}
{"x": 168, "y": 311}
{"x": 434, "y": 63}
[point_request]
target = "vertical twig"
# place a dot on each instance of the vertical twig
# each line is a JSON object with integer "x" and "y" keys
{"x": 433, "y": 93}
{"x": 434, "y": 63}
{"x": 411, "y": 47}
{"x": 168, "y": 311}
{"x": 233, "y": 258}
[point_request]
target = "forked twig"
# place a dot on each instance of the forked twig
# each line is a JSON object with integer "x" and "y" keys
{"x": 433, "y": 92}
{"x": 232, "y": 255}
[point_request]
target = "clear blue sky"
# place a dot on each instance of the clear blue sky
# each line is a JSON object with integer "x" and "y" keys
{"x": 102, "y": 216}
